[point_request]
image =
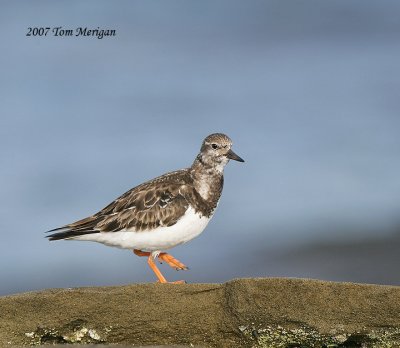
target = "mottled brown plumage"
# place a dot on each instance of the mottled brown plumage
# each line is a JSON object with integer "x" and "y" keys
{"x": 161, "y": 213}
{"x": 165, "y": 199}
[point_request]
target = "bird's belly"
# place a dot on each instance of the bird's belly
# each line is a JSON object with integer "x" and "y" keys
{"x": 188, "y": 227}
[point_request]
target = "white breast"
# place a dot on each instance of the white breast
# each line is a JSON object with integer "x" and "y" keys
{"x": 189, "y": 226}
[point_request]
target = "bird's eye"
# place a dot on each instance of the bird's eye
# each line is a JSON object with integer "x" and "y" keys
{"x": 214, "y": 146}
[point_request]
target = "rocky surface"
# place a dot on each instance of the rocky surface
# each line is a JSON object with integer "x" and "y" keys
{"x": 269, "y": 312}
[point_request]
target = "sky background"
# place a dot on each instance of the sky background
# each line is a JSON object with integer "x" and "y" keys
{"x": 309, "y": 92}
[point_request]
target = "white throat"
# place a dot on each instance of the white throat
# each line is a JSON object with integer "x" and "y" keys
{"x": 221, "y": 165}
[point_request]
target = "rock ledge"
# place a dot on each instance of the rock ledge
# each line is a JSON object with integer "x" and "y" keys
{"x": 265, "y": 312}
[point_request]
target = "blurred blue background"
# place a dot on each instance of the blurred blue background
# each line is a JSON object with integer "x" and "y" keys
{"x": 309, "y": 91}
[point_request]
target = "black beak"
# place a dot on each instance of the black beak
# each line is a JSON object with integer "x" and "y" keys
{"x": 234, "y": 156}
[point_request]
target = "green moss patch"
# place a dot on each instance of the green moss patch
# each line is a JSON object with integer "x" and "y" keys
{"x": 305, "y": 337}
{"x": 76, "y": 331}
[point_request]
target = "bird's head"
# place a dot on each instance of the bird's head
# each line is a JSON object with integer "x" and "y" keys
{"x": 216, "y": 151}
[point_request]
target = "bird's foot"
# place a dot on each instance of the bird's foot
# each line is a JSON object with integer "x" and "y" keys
{"x": 169, "y": 259}
{"x": 172, "y": 262}
{"x": 175, "y": 282}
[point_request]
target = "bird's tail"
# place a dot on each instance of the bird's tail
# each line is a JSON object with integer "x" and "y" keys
{"x": 78, "y": 228}
{"x": 68, "y": 234}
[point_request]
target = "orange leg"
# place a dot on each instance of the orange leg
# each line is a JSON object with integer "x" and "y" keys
{"x": 170, "y": 260}
{"x": 153, "y": 266}
{"x": 140, "y": 252}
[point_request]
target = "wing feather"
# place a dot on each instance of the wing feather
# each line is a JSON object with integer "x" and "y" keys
{"x": 160, "y": 202}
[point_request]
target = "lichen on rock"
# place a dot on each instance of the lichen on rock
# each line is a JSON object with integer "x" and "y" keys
{"x": 75, "y": 331}
{"x": 306, "y": 337}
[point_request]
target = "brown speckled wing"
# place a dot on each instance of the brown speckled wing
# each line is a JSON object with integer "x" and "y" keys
{"x": 159, "y": 202}
{"x": 145, "y": 209}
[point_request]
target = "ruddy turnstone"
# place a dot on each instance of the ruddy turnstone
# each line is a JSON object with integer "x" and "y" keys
{"x": 161, "y": 213}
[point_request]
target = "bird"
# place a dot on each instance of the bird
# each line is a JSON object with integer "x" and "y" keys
{"x": 162, "y": 213}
